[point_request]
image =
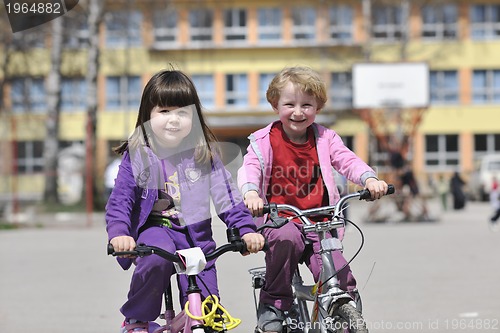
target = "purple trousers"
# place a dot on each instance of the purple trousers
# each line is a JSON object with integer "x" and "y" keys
{"x": 286, "y": 247}
{"x": 152, "y": 275}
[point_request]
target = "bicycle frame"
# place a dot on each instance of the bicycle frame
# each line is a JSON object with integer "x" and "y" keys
{"x": 184, "y": 322}
{"x": 328, "y": 288}
{"x": 326, "y": 293}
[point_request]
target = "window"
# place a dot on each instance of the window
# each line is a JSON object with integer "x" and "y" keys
{"x": 486, "y": 144}
{"x": 485, "y": 21}
{"x": 73, "y": 94}
{"x": 206, "y": 89}
{"x": 269, "y": 28}
{"x": 235, "y": 24}
{"x": 165, "y": 27}
{"x": 200, "y": 24}
{"x": 341, "y": 23}
{"x": 341, "y": 90}
{"x": 123, "y": 29}
{"x": 440, "y": 21}
{"x": 237, "y": 90}
{"x": 387, "y": 22}
{"x": 29, "y": 156}
{"x": 28, "y": 95}
{"x": 304, "y": 23}
{"x": 443, "y": 87}
{"x": 123, "y": 92}
{"x": 76, "y": 32}
{"x": 486, "y": 86}
{"x": 348, "y": 140}
{"x": 264, "y": 81}
{"x": 32, "y": 38}
{"x": 442, "y": 152}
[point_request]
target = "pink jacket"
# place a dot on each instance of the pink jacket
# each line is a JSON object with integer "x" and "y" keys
{"x": 332, "y": 153}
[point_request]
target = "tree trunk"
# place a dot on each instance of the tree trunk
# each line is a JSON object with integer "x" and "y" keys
{"x": 51, "y": 143}
{"x": 95, "y": 10}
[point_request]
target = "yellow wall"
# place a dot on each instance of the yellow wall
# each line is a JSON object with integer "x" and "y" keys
{"x": 464, "y": 55}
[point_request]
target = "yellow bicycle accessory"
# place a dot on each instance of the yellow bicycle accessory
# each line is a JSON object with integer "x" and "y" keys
{"x": 314, "y": 289}
{"x": 218, "y": 322}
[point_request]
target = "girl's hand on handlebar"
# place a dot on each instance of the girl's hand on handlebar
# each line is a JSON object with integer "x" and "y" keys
{"x": 377, "y": 188}
{"x": 254, "y": 203}
{"x": 254, "y": 242}
{"x": 123, "y": 243}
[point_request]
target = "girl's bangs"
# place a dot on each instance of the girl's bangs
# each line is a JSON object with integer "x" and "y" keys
{"x": 174, "y": 96}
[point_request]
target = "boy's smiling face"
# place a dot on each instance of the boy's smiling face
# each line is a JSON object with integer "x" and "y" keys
{"x": 297, "y": 110}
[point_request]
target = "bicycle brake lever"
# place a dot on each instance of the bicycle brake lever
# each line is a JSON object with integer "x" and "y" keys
{"x": 276, "y": 220}
{"x": 143, "y": 250}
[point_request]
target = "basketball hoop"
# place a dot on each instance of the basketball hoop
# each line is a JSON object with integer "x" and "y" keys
{"x": 391, "y": 98}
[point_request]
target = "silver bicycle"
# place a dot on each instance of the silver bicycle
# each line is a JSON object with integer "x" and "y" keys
{"x": 333, "y": 309}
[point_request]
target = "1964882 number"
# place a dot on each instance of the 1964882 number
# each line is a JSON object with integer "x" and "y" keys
{"x": 33, "y": 8}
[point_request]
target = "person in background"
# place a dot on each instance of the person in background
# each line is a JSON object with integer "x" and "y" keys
{"x": 443, "y": 189}
{"x": 109, "y": 177}
{"x": 457, "y": 191}
{"x": 495, "y": 200}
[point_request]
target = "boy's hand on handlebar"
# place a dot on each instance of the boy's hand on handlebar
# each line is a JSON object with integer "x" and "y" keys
{"x": 123, "y": 243}
{"x": 377, "y": 188}
{"x": 254, "y": 203}
{"x": 254, "y": 242}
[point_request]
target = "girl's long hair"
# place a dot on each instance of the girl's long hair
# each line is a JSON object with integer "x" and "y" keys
{"x": 174, "y": 88}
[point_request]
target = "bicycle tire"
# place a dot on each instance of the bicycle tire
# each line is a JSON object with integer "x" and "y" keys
{"x": 346, "y": 319}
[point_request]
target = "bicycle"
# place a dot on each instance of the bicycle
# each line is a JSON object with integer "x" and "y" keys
{"x": 333, "y": 309}
{"x": 197, "y": 316}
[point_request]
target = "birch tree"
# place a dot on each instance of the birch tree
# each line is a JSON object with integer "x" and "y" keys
{"x": 95, "y": 17}
{"x": 51, "y": 142}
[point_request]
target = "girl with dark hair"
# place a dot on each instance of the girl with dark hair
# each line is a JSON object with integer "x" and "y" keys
{"x": 168, "y": 174}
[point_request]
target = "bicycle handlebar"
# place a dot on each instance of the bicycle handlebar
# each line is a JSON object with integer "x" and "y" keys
{"x": 236, "y": 244}
{"x": 326, "y": 210}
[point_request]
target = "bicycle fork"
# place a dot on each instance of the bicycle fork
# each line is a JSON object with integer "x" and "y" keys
{"x": 329, "y": 293}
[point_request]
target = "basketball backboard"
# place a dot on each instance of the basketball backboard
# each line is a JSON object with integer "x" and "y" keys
{"x": 390, "y": 85}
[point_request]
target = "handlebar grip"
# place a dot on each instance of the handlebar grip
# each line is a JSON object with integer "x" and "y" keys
{"x": 390, "y": 189}
{"x": 365, "y": 194}
{"x": 266, "y": 209}
{"x": 265, "y": 248}
{"x": 244, "y": 250}
{"x": 110, "y": 249}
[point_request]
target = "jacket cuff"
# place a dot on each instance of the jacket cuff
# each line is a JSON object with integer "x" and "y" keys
{"x": 117, "y": 229}
{"x": 366, "y": 175}
{"x": 249, "y": 187}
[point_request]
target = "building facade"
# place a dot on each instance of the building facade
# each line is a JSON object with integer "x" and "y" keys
{"x": 232, "y": 49}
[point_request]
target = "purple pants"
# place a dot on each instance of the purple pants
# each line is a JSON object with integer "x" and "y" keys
{"x": 152, "y": 276}
{"x": 286, "y": 247}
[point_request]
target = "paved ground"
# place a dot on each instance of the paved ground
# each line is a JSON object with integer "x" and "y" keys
{"x": 414, "y": 277}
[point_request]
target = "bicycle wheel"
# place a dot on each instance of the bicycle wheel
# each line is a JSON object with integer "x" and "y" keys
{"x": 346, "y": 319}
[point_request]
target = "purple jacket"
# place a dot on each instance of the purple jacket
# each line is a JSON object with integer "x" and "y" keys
{"x": 332, "y": 153}
{"x": 134, "y": 194}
